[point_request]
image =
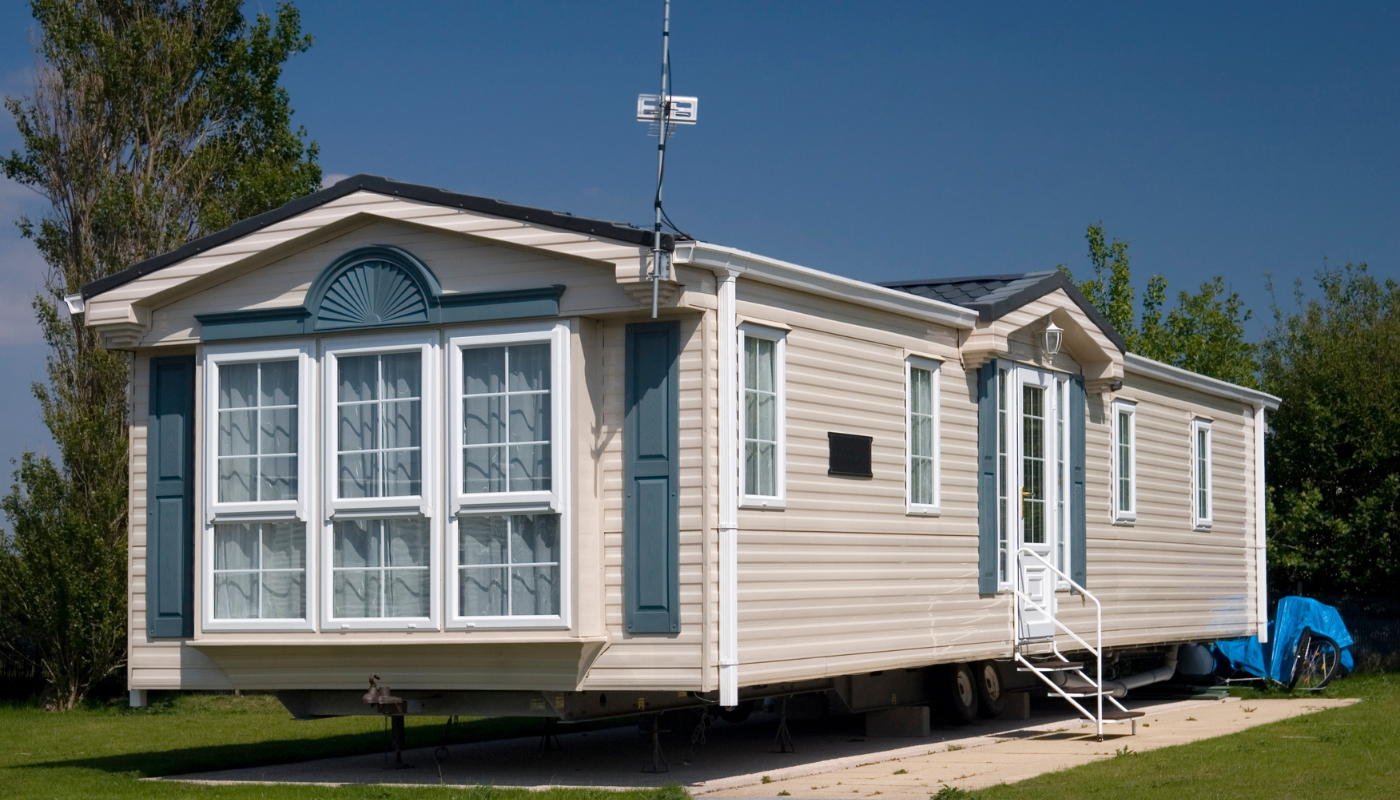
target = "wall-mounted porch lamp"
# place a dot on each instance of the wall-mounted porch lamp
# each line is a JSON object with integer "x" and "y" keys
{"x": 1051, "y": 338}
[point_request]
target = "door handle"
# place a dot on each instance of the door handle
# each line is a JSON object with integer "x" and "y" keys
{"x": 1025, "y": 495}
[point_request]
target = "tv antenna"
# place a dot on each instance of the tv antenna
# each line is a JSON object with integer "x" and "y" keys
{"x": 665, "y": 112}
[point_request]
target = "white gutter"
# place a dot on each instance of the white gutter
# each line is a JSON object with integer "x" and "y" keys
{"x": 794, "y": 276}
{"x": 728, "y": 489}
{"x": 1142, "y": 365}
{"x": 1261, "y": 555}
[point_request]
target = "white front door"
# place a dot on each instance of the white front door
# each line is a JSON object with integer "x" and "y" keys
{"x": 1035, "y": 469}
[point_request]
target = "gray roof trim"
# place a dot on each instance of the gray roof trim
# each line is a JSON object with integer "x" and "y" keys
{"x": 1020, "y": 289}
{"x": 616, "y": 231}
{"x": 1142, "y": 365}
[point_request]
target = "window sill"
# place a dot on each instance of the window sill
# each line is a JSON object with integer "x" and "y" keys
{"x": 405, "y": 625}
{"x": 1125, "y": 522}
{"x": 1203, "y": 527}
{"x": 508, "y": 623}
{"x": 923, "y": 511}
{"x": 759, "y": 504}
{"x": 257, "y": 626}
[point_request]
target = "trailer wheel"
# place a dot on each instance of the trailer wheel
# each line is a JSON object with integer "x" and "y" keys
{"x": 991, "y": 695}
{"x": 959, "y": 694}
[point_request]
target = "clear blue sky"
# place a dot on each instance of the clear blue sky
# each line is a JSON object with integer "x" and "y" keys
{"x": 879, "y": 140}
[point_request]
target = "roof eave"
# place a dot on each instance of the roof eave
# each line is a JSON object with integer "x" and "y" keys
{"x": 1142, "y": 365}
{"x": 796, "y": 276}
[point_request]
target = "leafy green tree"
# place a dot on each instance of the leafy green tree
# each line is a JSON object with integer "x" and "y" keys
{"x": 1204, "y": 332}
{"x": 1334, "y": 443}
{"x": 152, "y": 122}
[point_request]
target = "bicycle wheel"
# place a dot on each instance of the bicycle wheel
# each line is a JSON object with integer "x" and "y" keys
{"x": 1317, "y": 663}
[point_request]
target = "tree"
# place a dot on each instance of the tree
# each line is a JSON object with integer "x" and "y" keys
{"x": 1334, "y": 443}
{"x": 1204, "y": 333}
{"x": 152, "y": 122}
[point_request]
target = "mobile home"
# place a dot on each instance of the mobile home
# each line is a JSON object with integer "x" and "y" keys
{"x": 391, "y": 430}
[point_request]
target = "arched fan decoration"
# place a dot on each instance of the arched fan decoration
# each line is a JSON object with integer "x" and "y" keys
{"x": 372, "y": 293}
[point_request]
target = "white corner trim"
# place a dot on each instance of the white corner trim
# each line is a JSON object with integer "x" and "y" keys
{"x": 794, "y": 276}
{"x": 1142, "y": 365}
{"x": 1261, "y": 553}
{"x": 728, "y": 490}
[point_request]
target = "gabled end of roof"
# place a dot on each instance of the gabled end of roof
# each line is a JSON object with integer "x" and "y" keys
{"x": 603, "y": 229}
{"x": 994, "y": 296}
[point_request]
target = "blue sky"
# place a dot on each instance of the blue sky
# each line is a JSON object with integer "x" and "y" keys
{"x": 879, "y": 140}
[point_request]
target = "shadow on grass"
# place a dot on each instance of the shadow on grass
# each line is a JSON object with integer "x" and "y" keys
{"x": 289, "y": 751}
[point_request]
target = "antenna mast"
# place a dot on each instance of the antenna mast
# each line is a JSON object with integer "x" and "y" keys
{"x": 667, "y": 112}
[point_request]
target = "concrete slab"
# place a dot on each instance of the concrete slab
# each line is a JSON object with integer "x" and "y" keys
{"x": 833, "y": 758}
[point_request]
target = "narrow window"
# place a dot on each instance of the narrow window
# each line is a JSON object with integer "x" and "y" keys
{"x": 1201, "y": 474}
{"x": 256, "y": 474}
{"x": 762, "y": 417}
{"x": 1062, "y": 474}
{"x": 1124, "y": 461}
{"x": 506, "y": 414}
{"x": 379, "y": 416}
{"x": 923, "y": 444}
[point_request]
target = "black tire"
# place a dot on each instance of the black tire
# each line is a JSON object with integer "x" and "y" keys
{"x": 737, "y": 714}
{"x": 1317, "y": 662}
{"x": 991, "y": 690}
{"x": 959, "y": 694}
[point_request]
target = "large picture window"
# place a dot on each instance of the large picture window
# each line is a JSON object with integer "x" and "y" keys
{"x": 509, "y": 442}
{"x": 257, "y": 465}
{"x": 921, "y": 393}
{"x": 763, "y": 418}
{"x": 380, "y": 435}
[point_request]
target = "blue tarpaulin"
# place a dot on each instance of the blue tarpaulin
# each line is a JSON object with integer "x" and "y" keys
{"x": 1275, "y": 661}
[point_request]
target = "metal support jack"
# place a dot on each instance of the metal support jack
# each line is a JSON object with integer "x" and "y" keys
{"x": 658, "y": 756}
{"x": 783, "y": 739}
{"x": 549, "y": 740}
{"x": 396, "y": 737}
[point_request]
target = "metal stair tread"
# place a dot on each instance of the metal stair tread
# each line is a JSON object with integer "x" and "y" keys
{"x": 1051, "y": 666}
{"x": 1116, "y": 715}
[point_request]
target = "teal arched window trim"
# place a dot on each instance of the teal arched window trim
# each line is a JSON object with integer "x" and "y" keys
{"x": 378, "y": 287}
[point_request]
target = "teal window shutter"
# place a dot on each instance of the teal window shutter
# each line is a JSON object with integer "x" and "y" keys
{"x": 651, "y": 480}
{"x": 170, "y": 499}
{"x": 987, "y": 542}
{"x": 1077, "y": 538}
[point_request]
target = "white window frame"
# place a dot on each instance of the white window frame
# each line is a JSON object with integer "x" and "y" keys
{"x": 1202, "y": 522}
{"x": 423, "y": 504}
{"x": 212, "y": 357}
{"x": 1123, "y": 408}
{"x": 555, "y": 500}
{"x": 935, "y": 368}
{"x": 777, "y": 501}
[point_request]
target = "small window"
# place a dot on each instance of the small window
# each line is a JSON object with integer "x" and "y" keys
{"x": 761, "y": 412}
{"x": 259, "y": 571}
{"x": 1124, "y": 461}
{"x": 509, "y": 566}
{"x": 1201, "y": 491}
{"x": 921, "y": 393}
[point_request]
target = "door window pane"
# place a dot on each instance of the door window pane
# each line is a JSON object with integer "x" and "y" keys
{"x": 379, "y": 424}
{"x": 260, "y": 570}
{"x": 381, "y": 568}
{"x": 1033, "y": 493}
{"x": 257, "y": 432}
{"x": 506, "y": 427}
{"x": 508, "y": 565}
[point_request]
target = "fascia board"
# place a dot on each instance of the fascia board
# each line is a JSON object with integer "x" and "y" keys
{"x": 1142, "y": 365}
{"x": 795, "y": 276}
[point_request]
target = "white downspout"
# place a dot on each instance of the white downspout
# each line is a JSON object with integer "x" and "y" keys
{"x": 1261, "y": 556}
{"x": 728, "y": 491}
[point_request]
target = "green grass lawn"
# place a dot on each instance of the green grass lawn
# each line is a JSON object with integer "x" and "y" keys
{"x": 100, "y": 752}
{"x": 1351, "y": 753}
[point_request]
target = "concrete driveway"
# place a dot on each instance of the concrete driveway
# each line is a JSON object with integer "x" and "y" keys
{"x": 833, "y": 759}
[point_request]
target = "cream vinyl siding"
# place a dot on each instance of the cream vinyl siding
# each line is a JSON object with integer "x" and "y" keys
{"x": 661, "y": 661}
{"x": 160, "y": 664}
{"x": 844, "y": 580}
{"x": 281, "y": 239}
{"x": 1160, "y": 580}
{"x": 461, "y": 264}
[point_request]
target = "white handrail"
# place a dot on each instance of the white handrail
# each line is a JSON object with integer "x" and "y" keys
{"x": 1098, "y": 621}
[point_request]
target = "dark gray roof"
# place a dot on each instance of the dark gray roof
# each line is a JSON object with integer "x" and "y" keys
{"x": 617, "y": 231}
{"x": 994, "y": 296}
